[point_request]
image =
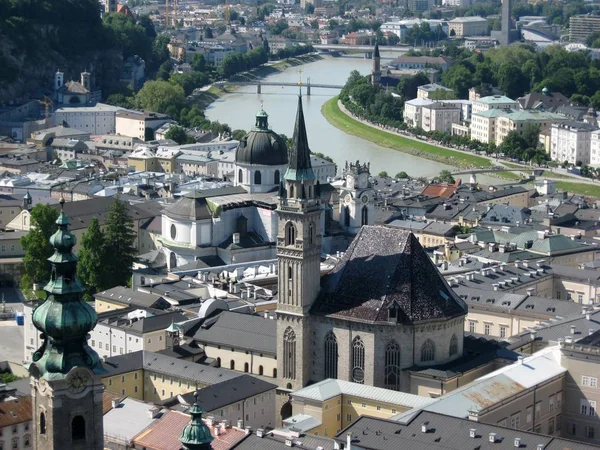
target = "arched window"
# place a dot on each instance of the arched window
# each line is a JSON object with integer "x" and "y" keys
{"x": 274, "y": 373}
{"x": 246, "y": 367}
{"x": 290, "y": 234}
{"x": 286, "y": 409}
{"x": 358, "y": 360}
{"x": 290, "y": 272}
{"x": 42, "y": 423}
{"x": 218, "y": 362}
{"x": 240, "y": 176}
{"x": 364, "y": 215}
{"x": 276, "y": 177}
{"x": 346, "y": 216}
{"x": 260, "y": 370}
{"x": 232, "y": 364}
{"x": 311, "y": 233}
{"x": 257, "y": 177}
{"x": 428, "y": 351}
{"x": 392, "y": 366}
{"x": 172, "y": 261}
{"x": 291, "y": 191}
{"x": 453, "y": 345}
{"x": 331, "y": 356}
{"x": 289, "y": 354}
{"x": 78, "y": 428}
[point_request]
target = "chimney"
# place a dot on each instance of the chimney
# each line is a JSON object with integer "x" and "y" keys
{"x": 424, "y": 427}
{"x": 591, "y": 331}
{"x": 236, "y": 238}
{"x": 217, "y": 429}
{"x": 492, "y": 437}
{"x": 540, "y": 447}
{"x": 568, "y": 339}
{"x": 240, "y": 424}
{"x": 521, "y": 359}
{"x": 473, "y": 433}
{"x": 532, "y": 334}
{"x": 348, "y": 441}
{"x": 517, "y": 442}
{"x": 530, "y": 291}
{"x": 573, "y": 330}
{"x": 153, "y": 412}
{"x": 588, "y": 316}
{"x": 289, "y": 443}
{"x": 116, "y": 402}
{"x": 495, "y": 286}
{"x": 260, "y": 432}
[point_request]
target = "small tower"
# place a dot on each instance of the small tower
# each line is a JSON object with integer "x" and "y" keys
{"x": 66, "y": 385}
{"x": 299, "y": 256}
{"x": 356, "y": 198}
{"x": 27, "y": 201}
{"x": 376, "y": 72}
{"x": 196, "y": 435}
{"x": 173, "y": 335}
{"x": 86, "y": 80}
{"x": 59, "y": 80}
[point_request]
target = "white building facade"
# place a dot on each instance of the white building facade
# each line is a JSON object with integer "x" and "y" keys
{"x": 571, "y": 142}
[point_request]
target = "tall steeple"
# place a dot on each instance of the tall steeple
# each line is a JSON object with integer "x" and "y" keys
{"x": 196, "y": 435}
{"x": 65, "y": 372}
{"x": 299, "y": 256}
{"x": 376, "y": 72}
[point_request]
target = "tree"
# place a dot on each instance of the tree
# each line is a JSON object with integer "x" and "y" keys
{"x": 445, "y": 176}
{"x": 130, "y": 36}
{"x": 119, "y": 238}
{"x": 93, "y": 264}
{"x": 36, "y": 244}
{"x": 383, "y": 174}
{"x": 237, "y": 135}
{"x": 199, "y": 62}
{"x": 179, "y": 135}
{"x": 159, "y": 96}
{"x": 458, "y": 78}
{"x": 403, "y": 175}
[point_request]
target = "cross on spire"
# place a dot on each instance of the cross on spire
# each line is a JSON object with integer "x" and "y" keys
{"x": 300, "y": 80}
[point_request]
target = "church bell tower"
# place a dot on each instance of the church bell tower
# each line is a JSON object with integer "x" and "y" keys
{"x": 376, "y": 71}
{"x": 299, "y": 256}
{"x": 65, "y": 373}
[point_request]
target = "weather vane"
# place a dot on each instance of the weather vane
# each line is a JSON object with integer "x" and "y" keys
{"x": 300, "y": 80}
{"x": 262, "y": 104}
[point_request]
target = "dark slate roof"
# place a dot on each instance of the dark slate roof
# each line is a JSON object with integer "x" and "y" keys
{"x": 272, "y": 442}
{"x": 243, "y": 331}
{"x": 444, "y": 432}
{"x": 127, "y": 296}
{"x": 158, "y": 322}
{"x": 383, "y": 267}
{"x": 191, "y": 206}
{"x": 183, "y": 351}
{"x": 228, "y": 392}
{"x": 262, "y": 146}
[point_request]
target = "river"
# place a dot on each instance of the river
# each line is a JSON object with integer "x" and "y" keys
{"x": 238, "y": 109}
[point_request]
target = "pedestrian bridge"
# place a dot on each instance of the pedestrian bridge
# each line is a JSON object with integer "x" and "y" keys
{"x": 260, "y": 83}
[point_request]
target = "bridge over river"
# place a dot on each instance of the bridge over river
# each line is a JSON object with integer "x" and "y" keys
{"x": 260, "y": 83}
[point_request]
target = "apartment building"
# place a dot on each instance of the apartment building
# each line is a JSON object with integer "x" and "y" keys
{"x": 571, "y": 141}
{"x": 428, "y": 90}
{"x": 135, "y": 123}
{"x": 595, "y": 148}
{"x": 97, "y": 119}
{"x": 461, "y": 27}
{"x": 583, "y": 26}
{"x": 335, "y": 404}
{"x": 413, "y": 109}
{"x": 439, "y": 117}
{"x": 494, "y": 102}
{"x": 483, "y": 124}
{"x": 16, "y": 427}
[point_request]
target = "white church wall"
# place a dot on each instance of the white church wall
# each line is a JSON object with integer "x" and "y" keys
{"x": 183, "y": 230}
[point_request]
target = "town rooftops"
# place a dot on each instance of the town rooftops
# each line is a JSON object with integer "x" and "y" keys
{"x": 140, "y": 115}
{"x": 330, "y": 388}
{"x": 432, "y": 87}
{"x": 467, "y": 19}
{"x": 13, "y": 412}
{"x": 435, "y": 60}
{"x": 127, "y": 419}
{"x": 168, "y": 366}
{"x": 130, "y": 297}
{"x": 384, "y": 269}
{"x": 494, "y": 99}
{"x": 419, "y": 102}
{"x": 236, "y": 330}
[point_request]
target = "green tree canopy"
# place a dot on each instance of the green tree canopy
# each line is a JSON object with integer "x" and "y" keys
{"x": 37, "y": 246}
{"x": 159, "y": 96}
{"x": 179, "y": 135}
{"x": 446, "y": 176}
{"x": 93, "y": 264}
{"x": 120, "y": 238}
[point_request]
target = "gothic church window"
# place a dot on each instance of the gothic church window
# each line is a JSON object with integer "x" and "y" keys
{"x": 289, "y": 354}
{"x": 392, "y": 366}
{"x": 42, "y": 423}
{"x": 240, "y": 176}
{"x": 428, "y": 351}
{"x": 78, "y": 428}
{"x": 290, "y": 234}
{"x": 276, "y": 177}
{"x": 331, "y": 355}
{"x": 453, "y": 345}
{"x": 358, "y": 360}
{"x": 365, "y": 215}
{"x": 173, "y": 260}
{"x": 346, "y": 216}
{"x": 311, "y": 234}
{"x": 257, "y": 177}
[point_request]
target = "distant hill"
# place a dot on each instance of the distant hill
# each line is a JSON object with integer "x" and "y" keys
{"x": 39, "y": 36}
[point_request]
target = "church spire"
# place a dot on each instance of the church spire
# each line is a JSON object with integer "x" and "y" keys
{"x": 196, "y": 435}
{"x": 299, "y": 168}
{"x": 64, "y": 318}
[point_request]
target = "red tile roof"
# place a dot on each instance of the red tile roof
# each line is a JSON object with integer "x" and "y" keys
{"x": 16, "y": 411}
{"x": 443, "y": 190}
{"x": 164, "y": 434}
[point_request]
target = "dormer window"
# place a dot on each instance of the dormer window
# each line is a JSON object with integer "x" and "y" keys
{"x": 393, "y": 312}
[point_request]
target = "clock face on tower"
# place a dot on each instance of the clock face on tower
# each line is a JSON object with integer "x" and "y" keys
{"x": 347, "y": 199}
{"x": 365, "y": 199}
{"x": 78, "y": 381}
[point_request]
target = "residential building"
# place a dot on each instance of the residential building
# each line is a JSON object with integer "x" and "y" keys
{"x": 461, "y": 27}
{"x": 16, "y": 428}
{"x": 420, "y": 62}
{"x": 135, "y": 123}
{"x": 595, "y": 148}
{"x": 483, "y": 124}
{"x": 96, "y": 119}
{"x": 413, "y": 109}
{"x": 493, "y": 102}
{"x": 121, "y": 297}
{"x": 429, "y": 90}
{"x": 66, "y": 149}
{"x": 583, "y": 26}
{"x": 519, "y": 120}
{"x": 439, "y": 117}
{"x": 323, "y": 169}
{"x": 335, "y": 404}
{"x": 545, "y": 100}
{"x": 155, "y": 377}
{"x": 357, "y": 38}
{"x": 419, "y": 6}
{"x": 571, "y": 142}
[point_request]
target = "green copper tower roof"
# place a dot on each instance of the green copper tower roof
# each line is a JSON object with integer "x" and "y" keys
{"x": 299, "y": 168}
{"x": 196, "y": 435}
{"x": 64, "y": 318}
{"x": 262, "y": 120}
